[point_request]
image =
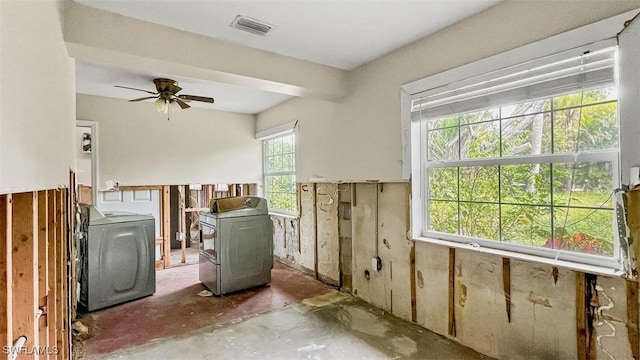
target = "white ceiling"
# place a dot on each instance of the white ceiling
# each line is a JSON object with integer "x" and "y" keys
{"x": 342, "y": 34}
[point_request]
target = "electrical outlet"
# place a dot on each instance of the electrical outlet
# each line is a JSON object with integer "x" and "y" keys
{"x": 376, "y": 263}
{"x": 180, "y": 236}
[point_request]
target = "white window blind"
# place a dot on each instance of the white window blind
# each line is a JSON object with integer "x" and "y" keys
{"x": 578, "y": 69}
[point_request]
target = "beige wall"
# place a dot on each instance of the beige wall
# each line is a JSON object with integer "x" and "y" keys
{"x": 363, "y": 141}
{"x": 138, "y": 146}
{"x": 37, "y": 98}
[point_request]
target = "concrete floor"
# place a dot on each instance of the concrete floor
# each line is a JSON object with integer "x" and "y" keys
{"x": 328, "y": 326}
{"x": 296, "y": 317}
{"x": 191, "y": 256}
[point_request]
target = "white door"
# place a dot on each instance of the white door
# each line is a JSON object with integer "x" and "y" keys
{"x": 134, "y": 201}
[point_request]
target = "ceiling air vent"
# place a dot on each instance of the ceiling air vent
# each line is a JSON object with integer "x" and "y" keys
{"x": 251, "y": 25}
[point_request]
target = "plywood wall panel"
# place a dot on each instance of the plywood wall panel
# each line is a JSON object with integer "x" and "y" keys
{"x": 376, "y": 289}
{"x": 307, "y": 226}
{"x": 543, "y": 313}
{"x": 479, "y": 301}
{"x": 394, "y": 246}
{"x": 432, "y": 286}
{"x": 328, "y": 243}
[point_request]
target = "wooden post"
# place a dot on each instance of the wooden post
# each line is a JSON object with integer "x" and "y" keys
{"x": 632, "y": 317}
{"x": 452, "y": 292}
{"x": 6, "y": 300}
{"x": 52, "y": 298}
{"x": 24, "y": 244}
{"x": 506, "y": 285}
{"x": 166, "y": 226}
{"x": 412, "y": 266}
{"x": 61, "y": 267}
{"x": 43, "y": 267}
{"x": 183, "y": 219}
{"x": 581, "y": 317}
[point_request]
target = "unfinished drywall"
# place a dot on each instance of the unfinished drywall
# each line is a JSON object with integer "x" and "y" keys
{"x": 37, "y": 101}
{"x": 138, "y": 146}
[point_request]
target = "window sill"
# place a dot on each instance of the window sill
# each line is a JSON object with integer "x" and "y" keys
{"x": 283, "y": 215}
{"x": 591, "y": 269}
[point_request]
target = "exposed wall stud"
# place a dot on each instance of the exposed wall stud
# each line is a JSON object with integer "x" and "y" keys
{"x": 452, "y": 292}
{"x": 412, "y": 270}
{"x": 52, "y": 298}
{"x": 506, "y": 285}
{"x": 43, "y": 266}
{"x": 632, "y": 317}
{"x": 24, "y": 240}
{"x": 6, "y": 318}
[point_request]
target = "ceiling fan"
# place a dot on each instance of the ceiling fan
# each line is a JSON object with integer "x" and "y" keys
{"x": 166, "y": 94}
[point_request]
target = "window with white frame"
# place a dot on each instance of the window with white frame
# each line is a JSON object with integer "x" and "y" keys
{"x": 524, "y": 158}
{"x": 280, "y": 173}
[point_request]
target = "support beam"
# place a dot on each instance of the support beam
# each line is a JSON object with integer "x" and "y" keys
{"x": 166, "y": 226}
{"x": 506, "y": 285}
{"x": 452, "y": 292}
{"x": 24, "y": 245}
{"x": 632, "y": 317}
{"x": 43, "y": 267}
{"x": 6, "y": 300}
{"x": 61, "y": 271}
{"x": 52, "y": 268}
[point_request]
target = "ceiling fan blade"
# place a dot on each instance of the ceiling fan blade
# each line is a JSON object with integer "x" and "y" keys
{"x": 196, "y": 98}
{"x": 130, "y": 88}
{"x": 183, "y": 105}
{"x": 144, "y": 98}
{"x": 173, "y": 88}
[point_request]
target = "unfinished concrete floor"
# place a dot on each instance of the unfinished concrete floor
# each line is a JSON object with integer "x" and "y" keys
{"x": 265, "y": 323}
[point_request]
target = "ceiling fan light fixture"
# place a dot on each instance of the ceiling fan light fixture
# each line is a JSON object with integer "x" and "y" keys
{"x": 162, "y": 105}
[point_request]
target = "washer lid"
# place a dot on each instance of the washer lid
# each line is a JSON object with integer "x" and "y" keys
{"x": 97, "y": 217}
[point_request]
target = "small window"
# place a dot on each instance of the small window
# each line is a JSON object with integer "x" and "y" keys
{"x": 280, "y": 173}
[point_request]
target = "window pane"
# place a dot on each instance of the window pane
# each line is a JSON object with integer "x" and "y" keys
{"x": 482, "y": 115}
{"x": 526, "y": 225}
{"x": 588, "y": 97}
{"x": 443, "y": 144}
{"x": 443, "y": 216}
{"x": 443, "y": 183}
{"x": 479, "y": 220}
{"x": 525, "y": 184}
{"x": 479, "y": 183}
{"x": 287, "y": 144}
{"x": 584, "y": 230}
{"x": 443, "y": 122}
{"x": 480, "y": 140}
{"x": 583, "y": 184}
{"x": 586, "y": 128}
{"x": 526, "y": 135}
{"x": 288, "y": 162}
{"x": 529, "y": 107}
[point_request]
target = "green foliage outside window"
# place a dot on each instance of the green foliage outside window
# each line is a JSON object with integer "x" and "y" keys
{"x": 547, "y": 204}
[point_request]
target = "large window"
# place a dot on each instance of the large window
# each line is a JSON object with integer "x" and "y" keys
{"x": 280, "y": 173}
{"x": 524, "y": 158}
